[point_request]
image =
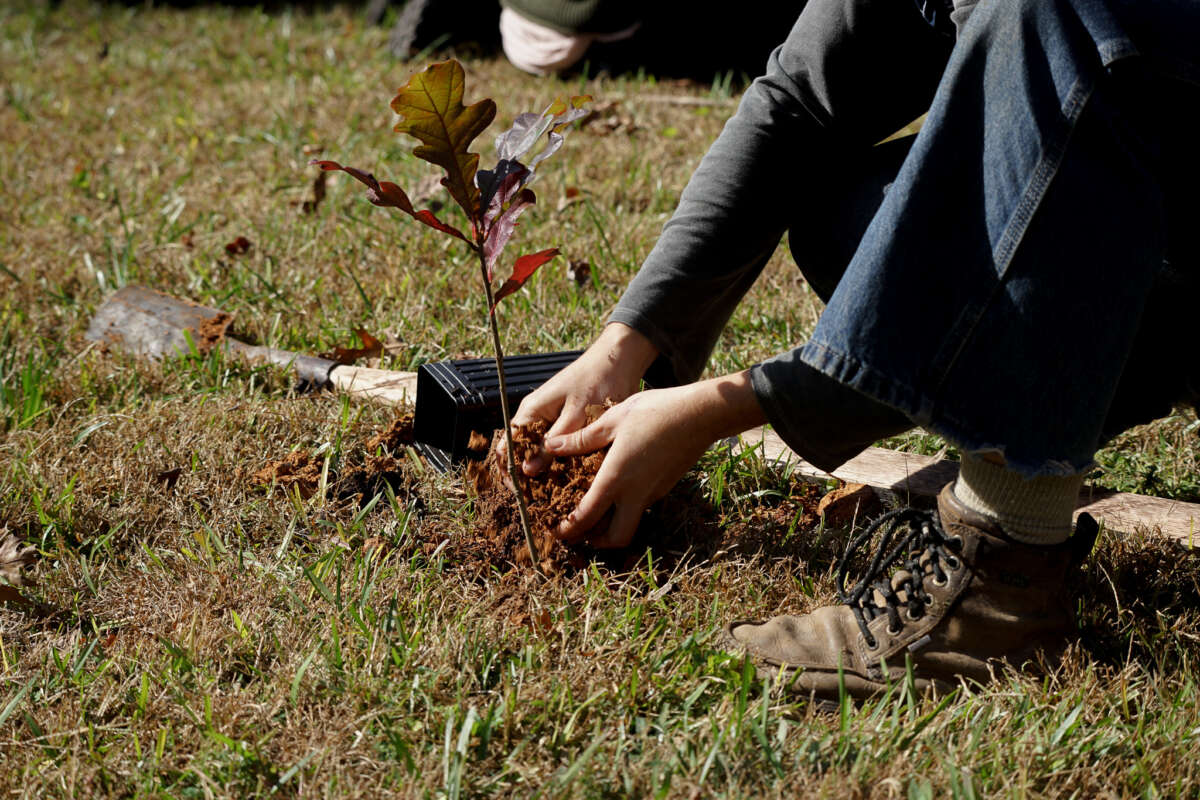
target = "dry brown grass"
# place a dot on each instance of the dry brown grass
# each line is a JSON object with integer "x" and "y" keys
{"x": 217, "y": 638}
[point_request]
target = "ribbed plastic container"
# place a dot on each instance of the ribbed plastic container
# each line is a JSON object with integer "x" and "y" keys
{"x": 457, "y": 397}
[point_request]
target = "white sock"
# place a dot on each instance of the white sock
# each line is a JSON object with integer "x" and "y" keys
{"x": 1031, "y": 510}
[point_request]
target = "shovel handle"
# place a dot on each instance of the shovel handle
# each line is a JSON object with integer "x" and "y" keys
{"x": 378, "y": 385}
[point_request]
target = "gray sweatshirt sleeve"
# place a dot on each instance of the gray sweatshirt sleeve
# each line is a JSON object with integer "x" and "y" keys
{"x": 726, "y": 226}
{"x": 830, "y": 91}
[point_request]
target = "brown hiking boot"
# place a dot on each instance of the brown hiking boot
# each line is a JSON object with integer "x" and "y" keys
{"x": 965, "y": 599}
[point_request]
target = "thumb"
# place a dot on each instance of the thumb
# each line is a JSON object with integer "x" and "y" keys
{"x": 585, "y": 440}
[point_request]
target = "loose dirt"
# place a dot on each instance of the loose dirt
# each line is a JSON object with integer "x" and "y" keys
{"x": 363, "y": 474}
{"x": 682, "y": 524}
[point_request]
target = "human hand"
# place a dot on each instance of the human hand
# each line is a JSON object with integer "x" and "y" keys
{"x": 655, "y": 437}
{"x": 610, "y": 369}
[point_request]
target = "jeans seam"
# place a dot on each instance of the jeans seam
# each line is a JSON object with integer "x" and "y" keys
{"x": 1018, "y": 224}
{"x": 1042, "y": 176}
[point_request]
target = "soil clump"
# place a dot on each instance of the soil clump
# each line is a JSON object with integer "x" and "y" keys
{"x": 361, "y": 476}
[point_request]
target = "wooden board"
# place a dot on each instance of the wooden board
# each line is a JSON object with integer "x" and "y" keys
{"x": 377, "y": 385}
{"x": 912, "y": 476}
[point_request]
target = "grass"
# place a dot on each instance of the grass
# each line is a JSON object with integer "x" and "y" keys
{"x": 206, "y": 638}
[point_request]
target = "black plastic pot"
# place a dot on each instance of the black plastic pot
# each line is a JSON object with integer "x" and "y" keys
{"x": 457, "y": 397}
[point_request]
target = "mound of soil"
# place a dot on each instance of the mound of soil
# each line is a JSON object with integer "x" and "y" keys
{"x": 682, "y": 523}
{"x": 550, "y": 496}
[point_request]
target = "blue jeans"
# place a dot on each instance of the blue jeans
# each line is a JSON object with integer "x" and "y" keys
{"x": 1025, "y": 287}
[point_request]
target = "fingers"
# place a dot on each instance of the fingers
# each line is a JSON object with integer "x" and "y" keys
{"x": 587, "y": 439}
{"x": 625, "y": 519}
{"x": 595, "y": 503}
{"x": 572, "y": 416}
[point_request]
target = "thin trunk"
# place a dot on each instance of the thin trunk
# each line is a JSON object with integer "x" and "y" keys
{"x": 514, "y": 474}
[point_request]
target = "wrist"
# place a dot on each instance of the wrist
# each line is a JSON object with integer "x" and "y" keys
{"x": 728, "y": 405}
{"x": 626, "y": 348}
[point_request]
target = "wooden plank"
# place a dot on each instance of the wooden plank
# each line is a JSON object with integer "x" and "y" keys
{"x": 914, "y": 476}
{"x": 377, "y": 385}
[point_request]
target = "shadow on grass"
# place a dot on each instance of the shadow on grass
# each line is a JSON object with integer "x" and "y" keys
{"x": 1139, "y": 600}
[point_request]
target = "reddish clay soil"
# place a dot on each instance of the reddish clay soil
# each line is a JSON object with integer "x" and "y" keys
{"x": 359, "y": 480}
{"x": 550, "y": 496}
{"x": 682, "y": 523}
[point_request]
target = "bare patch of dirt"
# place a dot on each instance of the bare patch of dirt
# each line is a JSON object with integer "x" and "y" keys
{"x": 681, "y": 525}
{"x": 363, "y": 474}
{"x": 297, "y": 469}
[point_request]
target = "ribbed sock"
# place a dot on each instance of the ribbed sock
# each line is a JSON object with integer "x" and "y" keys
{"x": 1031, "y": 510}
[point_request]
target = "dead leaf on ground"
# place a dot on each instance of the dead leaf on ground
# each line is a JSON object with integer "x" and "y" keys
{"x": 606, "y": 118}
{"x": 318, "y": 194}
{"x": 428, "y": 190}
{"x": 847, "y": 503}
{"x": 169, "y": 477}
{"x": 569, "y": 198}
{"x": 372, "y": 348}
{"x": 579, "y": 271}
{"x": 14, "y": 558}
{"x": 239, "y": 246}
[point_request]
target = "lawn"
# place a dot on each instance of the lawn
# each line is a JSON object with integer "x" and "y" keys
{"x": 194, "y": 633}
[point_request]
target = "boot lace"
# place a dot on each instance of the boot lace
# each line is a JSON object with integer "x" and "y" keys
{"x": 912, "y": 539}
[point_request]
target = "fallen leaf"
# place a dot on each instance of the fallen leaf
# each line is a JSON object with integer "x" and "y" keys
{"x": 848, "y": 502}
{"x": 14, "y": 558}
{"x": 170, "y": 477}
{"x": 186, "y": 241}
{"x": 372, "y": 348}
{"x": 579, "y": 271}
{"x": 318, "y": 193}
{"x": 8, "y": 594}
{"x": 238, "y": 246}
{"x": 428, "y": 190}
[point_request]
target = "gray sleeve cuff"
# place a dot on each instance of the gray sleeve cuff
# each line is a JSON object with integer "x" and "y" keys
{"x": 826, "y": 422}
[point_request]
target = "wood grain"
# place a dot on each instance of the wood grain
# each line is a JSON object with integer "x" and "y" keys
{"x": 377, "y": 385}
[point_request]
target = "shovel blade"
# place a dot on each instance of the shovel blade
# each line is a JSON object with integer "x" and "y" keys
{"x": 146, "y": 322}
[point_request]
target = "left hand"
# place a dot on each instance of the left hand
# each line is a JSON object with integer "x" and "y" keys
{"x": 656, "y": 436}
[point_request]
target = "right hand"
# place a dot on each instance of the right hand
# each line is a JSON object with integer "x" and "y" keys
{"x": 610, "y": 369}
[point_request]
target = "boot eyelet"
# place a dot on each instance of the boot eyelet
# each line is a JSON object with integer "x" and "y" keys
{"x": 908, "y": 613}
{"x": 872, "y": 644}
{"x": 895, "y": 632}
{"x": 952, "y": 562}
{"x": 940, "y": 583}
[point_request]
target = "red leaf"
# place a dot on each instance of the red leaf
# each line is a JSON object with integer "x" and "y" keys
{"x": 389, "y": 195}
{"x": 372, "y": 348}
{"x": 501, "y": 229}
{"x": 525, "y": 267}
